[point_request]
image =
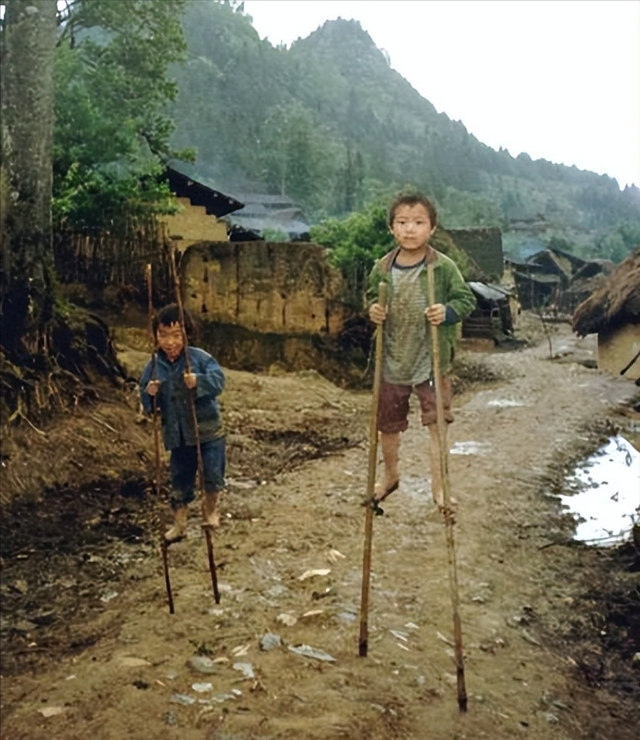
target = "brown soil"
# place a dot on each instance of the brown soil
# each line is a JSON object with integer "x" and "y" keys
{"x": 90, "y": 650}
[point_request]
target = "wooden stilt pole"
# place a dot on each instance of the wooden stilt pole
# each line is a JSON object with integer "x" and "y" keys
{"x": 207, "y": 528}
{"x": 156, "y": 440}
{"x": 370, "y": 503}
{"x": 447, "y": 510}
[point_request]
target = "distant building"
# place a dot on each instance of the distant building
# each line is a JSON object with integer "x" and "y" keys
{"x": 484, "y": 246}
{"x": 494, "y": 316}
{"x": 201, "y": 214}
{"x": 552, "y": 278}
{"x": 267, "y": 214}
{"x": 613, "y": 313}
{"x": 496, "y": 311}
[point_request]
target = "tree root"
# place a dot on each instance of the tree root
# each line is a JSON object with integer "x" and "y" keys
{"x": 77, "y": 355}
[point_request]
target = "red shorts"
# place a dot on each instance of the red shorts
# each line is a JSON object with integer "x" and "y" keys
{"x": 393, "y": 406}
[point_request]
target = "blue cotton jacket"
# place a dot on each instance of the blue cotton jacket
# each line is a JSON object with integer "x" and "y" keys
{"x": 174, "y": 398}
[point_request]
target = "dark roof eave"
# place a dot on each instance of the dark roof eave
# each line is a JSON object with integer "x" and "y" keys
{"x": 215, "y": 203}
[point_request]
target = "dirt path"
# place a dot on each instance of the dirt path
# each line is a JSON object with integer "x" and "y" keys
{"x": 536, "y": 665}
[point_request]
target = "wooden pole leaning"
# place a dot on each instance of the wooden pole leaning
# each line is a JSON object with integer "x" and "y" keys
{"x": 446, "y": 495}
{"x": 370, "y": 501}
{"x": 206, "y": 527}
{"x": 156, "y": 439}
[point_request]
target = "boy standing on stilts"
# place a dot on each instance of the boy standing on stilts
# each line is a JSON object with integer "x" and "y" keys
{"x": 165, "y": 383}
{"x": 407, "y": 365}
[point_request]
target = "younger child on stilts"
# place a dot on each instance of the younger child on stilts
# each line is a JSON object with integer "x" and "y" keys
{"x": 165, "y": 383}
{"x": 407, "y": 366}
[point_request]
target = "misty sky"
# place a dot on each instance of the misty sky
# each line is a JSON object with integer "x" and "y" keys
{"x": 559, "y": 79}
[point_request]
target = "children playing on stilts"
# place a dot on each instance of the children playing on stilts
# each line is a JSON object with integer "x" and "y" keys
{"x": 407, "y": 360}
{"x": 165, "y": 383}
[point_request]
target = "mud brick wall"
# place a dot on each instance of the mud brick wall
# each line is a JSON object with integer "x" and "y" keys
{"x": 265, "y": 287}
{"x": 192, "y": 225}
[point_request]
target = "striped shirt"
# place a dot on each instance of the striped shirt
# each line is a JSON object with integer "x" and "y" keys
{"x": 407, "y": 360}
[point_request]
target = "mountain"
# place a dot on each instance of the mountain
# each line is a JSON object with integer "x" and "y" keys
{"x": 329, "y": 123}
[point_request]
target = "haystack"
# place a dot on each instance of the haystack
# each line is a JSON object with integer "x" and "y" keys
{"x": 615, "y": 303}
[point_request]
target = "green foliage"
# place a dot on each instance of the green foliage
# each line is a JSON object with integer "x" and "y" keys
{"x": 463, "y": 210}
{"x": 354, "y": 243}
{"x": 326, "y": 122}
{"x": 329, "y": 123}
{"x": 296, "y": 155}
{"x": 274, "y": 235}
{"x": 443, "y": 242}
{"x": 619, "y": 242}
{"x": 112, "y": 132}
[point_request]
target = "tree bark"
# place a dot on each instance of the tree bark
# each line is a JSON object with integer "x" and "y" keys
{"x": 27, "y": 109}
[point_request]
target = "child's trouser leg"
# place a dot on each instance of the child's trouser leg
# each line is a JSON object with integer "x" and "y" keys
{"x": 213, "y": 461}
{"x": 183, "y": 465}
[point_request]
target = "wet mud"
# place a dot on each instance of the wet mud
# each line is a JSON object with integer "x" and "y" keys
{"x": 550, "y": 625}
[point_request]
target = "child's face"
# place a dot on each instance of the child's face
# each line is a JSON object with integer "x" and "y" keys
{"x": 170, "y": 340}
{"x": 411, "y": 226}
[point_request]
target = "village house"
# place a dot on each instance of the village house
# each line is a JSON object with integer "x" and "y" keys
{"x": 270, "y": 215}
{"x": 613, "y": 313}
{"x": 208, "y": 214}
{"x": 495, "y": 314}
{"x": 201, "y": 211}
{"x": 497, "y": 308}
{"x": 556, "y": 280}
{"x": 113, "y": 264}
{"x": 484, "y": 247}
{"x": 244, "y": 272}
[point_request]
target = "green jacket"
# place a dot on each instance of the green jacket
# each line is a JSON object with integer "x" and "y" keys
{"x": 450, "y": 289}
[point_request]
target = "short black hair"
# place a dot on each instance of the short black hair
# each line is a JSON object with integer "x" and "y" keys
{"x": 170, "y": 314}
{"x": 412, "y": 198}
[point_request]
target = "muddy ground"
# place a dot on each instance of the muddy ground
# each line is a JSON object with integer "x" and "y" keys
{"x": 550, "y": 627}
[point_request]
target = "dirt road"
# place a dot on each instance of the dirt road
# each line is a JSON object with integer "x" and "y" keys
{"x": 542, "y": 661}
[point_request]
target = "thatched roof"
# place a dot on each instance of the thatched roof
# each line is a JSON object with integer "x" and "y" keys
{"x": 616, "y": 303}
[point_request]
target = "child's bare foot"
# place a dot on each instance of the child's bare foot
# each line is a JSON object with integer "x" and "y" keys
{"x": 384, "y": 488}
{"x": 445, "y": 511}
{"x": 213, "y": 521}
{"x": 179, "y": 530}
{"x": 210, "y": 510}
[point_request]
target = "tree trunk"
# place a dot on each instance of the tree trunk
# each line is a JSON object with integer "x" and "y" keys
{"x": 27, "y": 93}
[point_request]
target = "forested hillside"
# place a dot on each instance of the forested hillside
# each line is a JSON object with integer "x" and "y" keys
{"x": 329, "y": 123}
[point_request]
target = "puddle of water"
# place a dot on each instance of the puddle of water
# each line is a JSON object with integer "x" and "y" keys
{"x": 470, "y": 448}
{"x": 504, "y": 403}
{"x": 606, "y": 496}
